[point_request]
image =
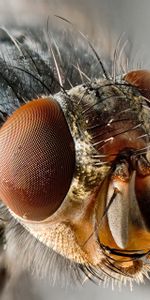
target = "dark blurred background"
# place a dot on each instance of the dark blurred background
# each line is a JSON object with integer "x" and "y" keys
{"x": 104, "y": 21}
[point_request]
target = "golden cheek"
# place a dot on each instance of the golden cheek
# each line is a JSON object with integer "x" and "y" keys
{"x": 37, "y": 159}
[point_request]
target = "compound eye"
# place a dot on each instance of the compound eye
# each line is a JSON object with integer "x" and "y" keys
{"x": 141, "y": 80}
{"x": 37, "y": 160}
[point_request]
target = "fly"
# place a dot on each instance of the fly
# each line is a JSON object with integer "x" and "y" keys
{"x": 74, "y": 161}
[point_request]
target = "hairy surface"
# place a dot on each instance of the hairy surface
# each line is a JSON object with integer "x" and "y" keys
{"x": 28, "y": 70}
{"x": 54, "y": 62}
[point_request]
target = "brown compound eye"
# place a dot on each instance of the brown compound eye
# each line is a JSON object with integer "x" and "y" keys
{"x": 141, "y": 80}
{"x": 37, "y": 159}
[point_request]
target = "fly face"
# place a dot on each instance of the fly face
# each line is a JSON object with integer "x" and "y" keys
{"x": 75, "y": 173}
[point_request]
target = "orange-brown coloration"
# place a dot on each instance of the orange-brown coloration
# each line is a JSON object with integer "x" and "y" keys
{"x": 141, "y": 80}
{"x": 139, "y": 239}
{"x": 36, "y": 159}
{"x": 138, "y": 232}
{"x": 125, "y": 139}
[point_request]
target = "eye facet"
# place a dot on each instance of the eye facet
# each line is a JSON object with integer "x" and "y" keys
{"x": 37, "y": 159}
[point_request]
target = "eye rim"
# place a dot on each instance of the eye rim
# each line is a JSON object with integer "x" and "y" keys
{"x": 69, "y": 142}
